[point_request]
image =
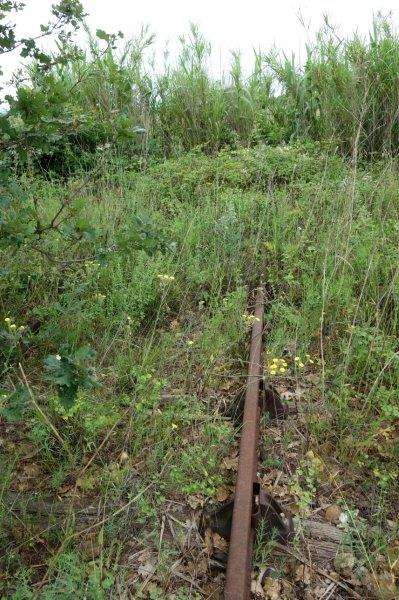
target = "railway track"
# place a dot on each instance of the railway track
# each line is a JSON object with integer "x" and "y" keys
{"x": 252, "y": 503}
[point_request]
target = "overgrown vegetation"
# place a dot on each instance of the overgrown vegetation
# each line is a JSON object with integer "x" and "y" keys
{"x": 138, "y": 210}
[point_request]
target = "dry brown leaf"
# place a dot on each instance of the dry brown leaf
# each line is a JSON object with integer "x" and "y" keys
{"x": 219, "y": 542}
{"x": 32, "y": 470}
{"x": 271, "y": 588}
{"x": 143, "y": 556}
{"x": 303, "y": 574}
{"x": 230, "y": 463}
{"x": 333, "y": 513}
{"x": 223, "y": 493}
{"x": 208, "y": 541}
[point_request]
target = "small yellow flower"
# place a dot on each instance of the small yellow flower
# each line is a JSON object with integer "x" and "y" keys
{"x": 249, "y": 320}
{"x": 165, "y": 278}
{"x": 7, "y": 320}
{"x": 13, "y": 327}
{"x": 174, "y": 426}
{"x": 190, "y": 342}
{"x": 277, "y": 365}
{"x": 301, "y": 365}
{"x": 297, "y": 359}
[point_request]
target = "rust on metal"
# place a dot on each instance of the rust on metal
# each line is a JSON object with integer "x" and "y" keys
{"x": 238, "y": 577}
{"x": 251, "y": 503}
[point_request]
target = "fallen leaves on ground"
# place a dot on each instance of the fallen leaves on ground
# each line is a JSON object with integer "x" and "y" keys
{"x": 333, "y": 514}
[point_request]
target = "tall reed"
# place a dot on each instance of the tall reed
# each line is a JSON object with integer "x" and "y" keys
{"x": 345, "y": 94}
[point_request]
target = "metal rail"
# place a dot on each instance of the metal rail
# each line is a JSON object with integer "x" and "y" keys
{"x": 238, "y": 577}
{"x": 251, "y": 502}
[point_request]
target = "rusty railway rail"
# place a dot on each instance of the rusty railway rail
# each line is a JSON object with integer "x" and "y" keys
{"x": 250, "y": 502}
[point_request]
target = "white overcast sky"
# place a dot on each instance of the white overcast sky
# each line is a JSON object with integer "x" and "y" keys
{"x": 227, "y": 24}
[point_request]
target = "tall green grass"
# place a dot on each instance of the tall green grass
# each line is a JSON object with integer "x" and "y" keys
{"x": 345, "y": 94}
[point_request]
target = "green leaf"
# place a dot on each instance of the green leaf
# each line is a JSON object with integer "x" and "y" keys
{"x": 15, "y": 404}
{"x": 67, "y": 396}
{"x": 102, "y": 35}
{"x": 69, "y": 373}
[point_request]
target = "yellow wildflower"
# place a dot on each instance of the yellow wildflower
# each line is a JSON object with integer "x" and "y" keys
{"x": 277, "y": 365}
{"x": 165, "y": 278}
{"x": 249, "y": 320}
